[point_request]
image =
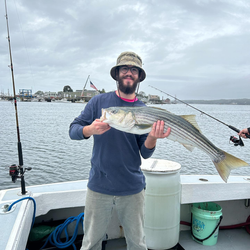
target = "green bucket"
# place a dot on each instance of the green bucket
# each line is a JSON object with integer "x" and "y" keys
{"x": 206, "y": 218}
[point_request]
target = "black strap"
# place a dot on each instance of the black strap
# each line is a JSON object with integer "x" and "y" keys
{"x": 201, "y": 240}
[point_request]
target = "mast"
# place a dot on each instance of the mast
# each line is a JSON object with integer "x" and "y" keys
{"x": 85, "y": 85}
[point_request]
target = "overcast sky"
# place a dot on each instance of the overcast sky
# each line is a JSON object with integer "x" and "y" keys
{"x": 194, "y": 49}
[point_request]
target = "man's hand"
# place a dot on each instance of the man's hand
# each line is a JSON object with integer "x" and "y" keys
{"x": 156, "y": 132}
{"x": 243, "y": 133}
{"x": 97, "y": 127}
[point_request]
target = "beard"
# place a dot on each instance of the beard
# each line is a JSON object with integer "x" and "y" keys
{"x": 125, "y": 88}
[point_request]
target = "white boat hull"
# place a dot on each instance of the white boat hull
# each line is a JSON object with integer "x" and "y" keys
{"x": 62, "y": 200}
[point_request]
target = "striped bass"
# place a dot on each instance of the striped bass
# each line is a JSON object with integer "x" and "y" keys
{"x": 184, "y": 129}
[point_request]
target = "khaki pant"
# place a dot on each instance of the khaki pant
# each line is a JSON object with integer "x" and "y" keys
{"x": 98, "y": 212}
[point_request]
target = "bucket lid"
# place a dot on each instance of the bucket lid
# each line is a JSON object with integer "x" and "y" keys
{"x": 158, "y": 166}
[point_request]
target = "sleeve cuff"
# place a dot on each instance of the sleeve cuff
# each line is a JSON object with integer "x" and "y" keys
{"x": 146, "y": 152}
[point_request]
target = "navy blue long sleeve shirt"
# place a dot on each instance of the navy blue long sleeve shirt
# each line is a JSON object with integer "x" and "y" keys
{"x": 116, "y": 157}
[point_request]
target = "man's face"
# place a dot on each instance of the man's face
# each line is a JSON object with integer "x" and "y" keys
{"x": 128, "y": 78}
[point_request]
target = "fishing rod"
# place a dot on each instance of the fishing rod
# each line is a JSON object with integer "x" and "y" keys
{"x": 233, "y": 139}
{"x": 16, "y": 171}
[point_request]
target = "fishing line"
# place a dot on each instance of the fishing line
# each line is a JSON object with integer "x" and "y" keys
{"x": 202, "y": 112}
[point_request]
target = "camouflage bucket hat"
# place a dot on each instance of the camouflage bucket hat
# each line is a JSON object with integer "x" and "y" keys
{"x": 128, "y": 58}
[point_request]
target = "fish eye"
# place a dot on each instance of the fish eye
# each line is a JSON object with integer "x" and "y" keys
{"x": 113, "y": 111}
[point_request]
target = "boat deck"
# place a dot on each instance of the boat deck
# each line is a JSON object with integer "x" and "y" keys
{"x": 231, "y": 239}
{"x": 58, "y": 199}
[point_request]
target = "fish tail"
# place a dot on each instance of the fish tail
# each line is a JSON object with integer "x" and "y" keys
{"x": 228, "y": 163}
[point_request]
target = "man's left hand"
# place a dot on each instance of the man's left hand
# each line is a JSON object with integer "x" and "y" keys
{"x": 157, "y": 130}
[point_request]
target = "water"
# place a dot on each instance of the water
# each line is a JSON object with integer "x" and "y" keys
{"x": 54, "y": 157}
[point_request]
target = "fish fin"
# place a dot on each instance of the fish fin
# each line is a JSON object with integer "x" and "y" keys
{"x": 191, "y": 119}
{"x": 227, "y": 164}
{"x": 162, "y": 109}
{"x": 143, "y": 126}
{"x": 188, "y": 147}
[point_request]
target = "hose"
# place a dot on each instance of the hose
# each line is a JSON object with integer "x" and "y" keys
{"x": 26, "y": 198}
{"x": 245, "y": 224}
{"x": 55, "y": 237}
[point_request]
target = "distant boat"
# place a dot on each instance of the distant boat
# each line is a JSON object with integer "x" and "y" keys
{"x": 81, "y": 101}
{"x": 64, "y": 100}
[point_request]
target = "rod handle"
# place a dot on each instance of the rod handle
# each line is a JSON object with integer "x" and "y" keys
{"x": 20, "y": 153}
{"x": 237, "y": 130}
{"x": 233, "y": 128}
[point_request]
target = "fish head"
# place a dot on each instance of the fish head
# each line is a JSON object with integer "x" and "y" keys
{"x": 118, "y": 118}
{"x": 112, "y": 114}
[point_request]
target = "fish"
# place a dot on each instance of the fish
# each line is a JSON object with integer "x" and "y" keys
{"x": 184, "y": 129}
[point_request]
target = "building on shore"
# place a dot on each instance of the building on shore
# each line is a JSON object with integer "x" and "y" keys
{"x": 25, "y": 94}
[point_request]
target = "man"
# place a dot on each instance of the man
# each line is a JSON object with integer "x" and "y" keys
{"x": 115, "y": 179}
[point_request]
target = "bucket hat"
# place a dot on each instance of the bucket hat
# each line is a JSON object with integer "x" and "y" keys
{"x": 128, "y": 58}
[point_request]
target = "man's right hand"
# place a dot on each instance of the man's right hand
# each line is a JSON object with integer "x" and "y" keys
{"x": 97, "y": 127}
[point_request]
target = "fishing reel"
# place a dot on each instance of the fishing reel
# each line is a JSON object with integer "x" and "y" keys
{"x": 236, "y": 141}
{"x": 17, "y": 172}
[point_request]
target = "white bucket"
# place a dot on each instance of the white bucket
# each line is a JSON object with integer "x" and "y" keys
{"x": 162, "y": 203}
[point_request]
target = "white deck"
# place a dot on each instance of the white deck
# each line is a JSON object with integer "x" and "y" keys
{"x": 231, "y": 196}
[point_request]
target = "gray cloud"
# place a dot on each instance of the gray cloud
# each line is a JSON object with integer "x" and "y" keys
{"x": 192, "y": 49}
